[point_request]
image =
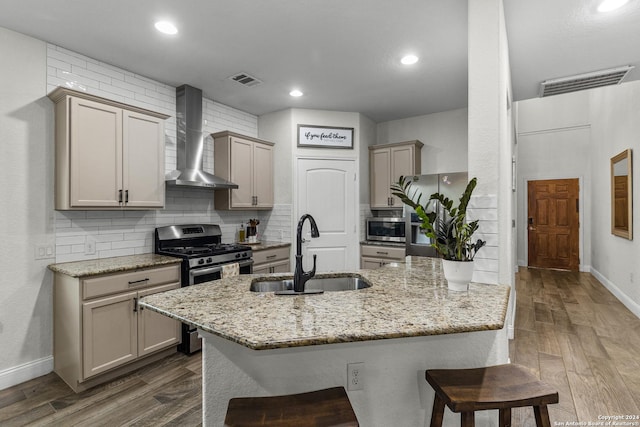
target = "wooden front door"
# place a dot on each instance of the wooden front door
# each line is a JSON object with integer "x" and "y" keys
{"x": 553, "y": 223}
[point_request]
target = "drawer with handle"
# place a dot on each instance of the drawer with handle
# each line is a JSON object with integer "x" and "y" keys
{"x": 270, "y": 255}
{"x": 387, "y": 252}
{"x": 132, "y": 280}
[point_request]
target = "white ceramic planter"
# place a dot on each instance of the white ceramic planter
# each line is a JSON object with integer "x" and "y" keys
{"x": 458, "y": 274}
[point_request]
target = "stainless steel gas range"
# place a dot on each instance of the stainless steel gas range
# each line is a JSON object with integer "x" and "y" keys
{"x": 203, "y": 255}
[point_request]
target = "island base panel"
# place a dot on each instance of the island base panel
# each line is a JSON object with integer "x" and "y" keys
{"x": 395, "y": 391}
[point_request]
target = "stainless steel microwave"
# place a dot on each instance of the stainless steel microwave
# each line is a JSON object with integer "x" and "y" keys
{"x": 386, "y": 229}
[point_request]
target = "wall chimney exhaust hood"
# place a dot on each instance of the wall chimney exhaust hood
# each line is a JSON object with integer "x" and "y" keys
{"x": 190, "y": 144}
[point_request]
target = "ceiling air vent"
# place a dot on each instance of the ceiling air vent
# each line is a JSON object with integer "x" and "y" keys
{"x": 591, "y": 80}
{"x": 245, "y": 79}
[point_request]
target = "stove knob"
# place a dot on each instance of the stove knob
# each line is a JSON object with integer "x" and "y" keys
{"x": 201, "y": 261}
{"x": 237, "y": 255}
{"x": 244, "y": 255}
{"x": 209, "y": 260}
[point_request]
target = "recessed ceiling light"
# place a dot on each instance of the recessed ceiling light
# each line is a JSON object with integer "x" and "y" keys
{"x": 166, "y": 27}
{"x": 609, "y": 5}
{"x": 296, "y": 93}
{"x": 409, "y": 59}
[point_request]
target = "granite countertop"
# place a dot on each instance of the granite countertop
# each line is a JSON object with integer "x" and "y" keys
{"x": 95, "y": 267}
{"x": 405, "y": 300}
{"x": 264, "y": 245}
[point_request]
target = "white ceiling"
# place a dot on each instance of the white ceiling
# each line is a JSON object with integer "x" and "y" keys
{"x": 343, "y": 54}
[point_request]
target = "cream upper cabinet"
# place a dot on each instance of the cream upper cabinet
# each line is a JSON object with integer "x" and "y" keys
{"x": 108, "y": 155}
{"x": 387, "y": 162}
{"x": 247, "y": 162}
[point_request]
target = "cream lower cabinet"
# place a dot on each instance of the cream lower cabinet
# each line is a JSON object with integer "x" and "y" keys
{"x": 100, "y": 331}
{"x": 274, "y": 260}
{"x": 247, "y": 162}
{"x": 108, "y": 155}
{"x": 374, "y": 256}
{"x": 387, "y": 162}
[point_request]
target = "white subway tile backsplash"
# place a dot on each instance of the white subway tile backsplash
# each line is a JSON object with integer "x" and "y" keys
{"x": 127, "y": 244}
{"x": 70, "y": 240}
{"x": 65, "y": 56}
{"x": 107, "y": 70}
{"x": 140, "y": 81}
{"x": 116, "y": 252}
{"x": 111, "y": 237}
{"x": 82, "y": 71}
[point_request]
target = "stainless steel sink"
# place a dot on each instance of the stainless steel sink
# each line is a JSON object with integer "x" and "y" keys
{"x": 327, "y": 284}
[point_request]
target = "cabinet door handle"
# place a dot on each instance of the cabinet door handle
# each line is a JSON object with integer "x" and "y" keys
{"x": 135, "y": 304}
{"x": 119, "y": 196}
{"x": 138, "y": 282}
{"x": 126, "y": 197}
{"x": 271, "y": 256}
{"x": 382, "y": 253}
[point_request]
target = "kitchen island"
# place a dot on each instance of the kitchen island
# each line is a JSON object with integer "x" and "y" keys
{"x": 407, "y": 321}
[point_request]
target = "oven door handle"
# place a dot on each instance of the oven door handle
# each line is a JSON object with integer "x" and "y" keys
{"x": 216, "y": 269}
{"x": 203, "y": 271}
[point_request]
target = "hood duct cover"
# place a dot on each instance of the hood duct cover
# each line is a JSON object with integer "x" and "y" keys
{"x": 190, "y": 144}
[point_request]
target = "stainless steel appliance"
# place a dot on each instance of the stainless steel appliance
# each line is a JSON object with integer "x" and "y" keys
{"x": 203, "y": 255}
{"x": 386, "y": 229}
{"x": 451, "y": 185}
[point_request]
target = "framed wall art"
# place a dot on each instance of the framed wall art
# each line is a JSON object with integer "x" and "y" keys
{"x": 325, "y": 137}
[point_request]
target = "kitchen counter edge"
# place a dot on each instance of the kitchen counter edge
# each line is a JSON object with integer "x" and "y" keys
{"x": 263, "y": 246}
{"x": 95, "y": 267}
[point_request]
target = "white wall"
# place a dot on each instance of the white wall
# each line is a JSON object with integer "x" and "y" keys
{"x": 443, "y": 134}
{"x": 614, "y": 113}
{"x": 490, "y": 146}
{"x": 26, "y": 121}
{"x": 554, "y": 143}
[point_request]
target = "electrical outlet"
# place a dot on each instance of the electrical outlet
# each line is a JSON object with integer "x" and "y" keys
{"x": 355, "y": 376}
{"x": 44, "y": 251}
{"x": 90, "y": 245}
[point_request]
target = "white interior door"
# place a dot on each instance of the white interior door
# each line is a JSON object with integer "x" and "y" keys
{"x": 327, "y": 191}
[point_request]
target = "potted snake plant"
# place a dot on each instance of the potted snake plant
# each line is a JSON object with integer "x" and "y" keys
{"x": 450, "y": 234}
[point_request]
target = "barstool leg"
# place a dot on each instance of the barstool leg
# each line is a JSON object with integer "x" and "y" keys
{"x": 505, "y": 417}
{"x": 542, "y": 416}
{"x": 438, "y": 412}
{"x": 468, "y": 419}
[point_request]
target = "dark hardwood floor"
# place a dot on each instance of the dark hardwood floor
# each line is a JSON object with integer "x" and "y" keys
{"x": 570, "y": 331}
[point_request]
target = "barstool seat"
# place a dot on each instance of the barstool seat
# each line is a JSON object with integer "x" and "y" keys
{"x": 322, "y": 408}
{"x": 499, "y": 387}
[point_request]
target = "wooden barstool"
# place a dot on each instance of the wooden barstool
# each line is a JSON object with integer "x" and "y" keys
{"x": 322, "y": 408}
{"x": 496, "y": 387}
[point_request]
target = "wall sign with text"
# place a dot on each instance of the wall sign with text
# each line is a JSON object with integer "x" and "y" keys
{"x": 324, "y": 137}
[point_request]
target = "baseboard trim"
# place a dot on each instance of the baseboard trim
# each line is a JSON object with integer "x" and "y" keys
{"x": 624, "y": 299}
{"x": 25, "y": 372}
